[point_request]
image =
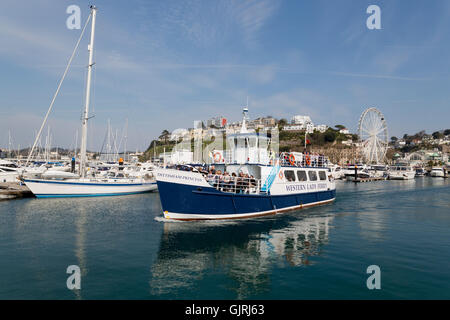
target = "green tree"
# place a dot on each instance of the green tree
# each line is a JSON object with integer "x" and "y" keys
{"x": 282, "y": 123}
{"x": 164, "y": 136}
{"x": 437, "y": 135}
{"x": 330, "y": 135}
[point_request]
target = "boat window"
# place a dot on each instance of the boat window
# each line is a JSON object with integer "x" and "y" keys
{"x": 322, "y": 175}
{"x": 301, "y": 175}
{"x": 120, "y": 175}
{"x": 312, "y": 175}
{"x": 290, "y": 175}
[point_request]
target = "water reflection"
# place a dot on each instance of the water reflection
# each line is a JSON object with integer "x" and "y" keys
{"x": 245, "y": 252}
{"x": 80, "y": 244}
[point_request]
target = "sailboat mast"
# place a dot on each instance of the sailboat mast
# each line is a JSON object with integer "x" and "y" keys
{"x": 85, "y": 118}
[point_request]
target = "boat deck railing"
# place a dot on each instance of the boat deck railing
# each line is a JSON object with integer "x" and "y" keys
{"x": 303, "y": 160}
{"x": 238, "y": 185}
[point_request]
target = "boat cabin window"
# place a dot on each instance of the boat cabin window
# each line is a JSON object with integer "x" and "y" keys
{"x": 322, "y": 175}
{"x": 301, "y": 175}
{"x": 290, "y": 175}
{"x": 312, "y": 175}
{"x": 120, "y": 175}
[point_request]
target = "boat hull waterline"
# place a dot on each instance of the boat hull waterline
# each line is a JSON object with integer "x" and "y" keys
{"x": 192, "y": 198}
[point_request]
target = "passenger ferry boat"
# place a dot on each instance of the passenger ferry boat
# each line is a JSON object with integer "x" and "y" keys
{"x": 255, "y": 184}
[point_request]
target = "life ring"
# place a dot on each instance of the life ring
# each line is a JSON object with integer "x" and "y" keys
{"x": 307, "y": 159}
{"x": 215, "y": 157}
{"x": 281, "y": 174}
{"x": 292, "y": 159}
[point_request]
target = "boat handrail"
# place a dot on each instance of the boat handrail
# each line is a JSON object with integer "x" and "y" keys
{"x": 238, "y": 185}
{"x": 298, "y": 159}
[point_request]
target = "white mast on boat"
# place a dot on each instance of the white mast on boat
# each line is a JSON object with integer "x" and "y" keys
{"x": 83, "y": 158}
{"x": 38, "y": 135}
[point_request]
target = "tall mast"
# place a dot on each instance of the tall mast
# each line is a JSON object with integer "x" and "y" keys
{"x": 88, "y": 96}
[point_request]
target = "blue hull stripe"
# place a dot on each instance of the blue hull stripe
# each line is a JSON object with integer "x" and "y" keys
{"x": 86, "y": 195}
{"x": 180, "y": 198}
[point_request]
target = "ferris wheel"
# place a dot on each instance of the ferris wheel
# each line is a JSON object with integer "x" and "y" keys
{"x": 372, "y": 130}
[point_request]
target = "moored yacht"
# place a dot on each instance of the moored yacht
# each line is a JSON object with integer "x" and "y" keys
{"x": 421, "y": 172}
{"x": 437, "y": 172}
{"x": 8, "y": 176}
{"x": 401, "y": 171}
{"x": 337, "y": 172}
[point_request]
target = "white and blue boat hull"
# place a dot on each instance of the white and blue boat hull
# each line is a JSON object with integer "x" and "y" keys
{"x": 187, "y": 196}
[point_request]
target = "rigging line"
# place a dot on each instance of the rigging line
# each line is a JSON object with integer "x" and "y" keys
{"x": 57, "y": 90}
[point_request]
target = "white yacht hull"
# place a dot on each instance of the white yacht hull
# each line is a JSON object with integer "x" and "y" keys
{"x": 9, "y": 176}
{"x": 86, "y": 188}
{"x": 437, "y": 174}
{"x": 401, "y": 175}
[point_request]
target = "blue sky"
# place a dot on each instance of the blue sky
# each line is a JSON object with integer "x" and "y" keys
{"x": 164, "y": 64}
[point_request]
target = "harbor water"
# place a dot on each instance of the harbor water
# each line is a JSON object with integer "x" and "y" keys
{"x": 126, "y": 250}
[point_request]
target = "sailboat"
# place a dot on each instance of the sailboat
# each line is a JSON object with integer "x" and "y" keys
{"x": 83, "y": 185}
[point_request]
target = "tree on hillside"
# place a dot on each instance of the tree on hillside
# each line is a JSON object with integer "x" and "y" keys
{"x": 437, "y": 135}
{"x": 446, "y": 132}
{"x": 282, "y": 122}
{"x": 164, "y": 136}
{"x": 339, "y": 126}
{"x": 330, "y": 135}
{"x": 394, "y": 139}
{"x": 420, "y": 134}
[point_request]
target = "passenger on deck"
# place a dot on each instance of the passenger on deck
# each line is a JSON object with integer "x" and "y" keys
{"x": 210, "y": 177}
{"x": 225, "y": 185}
{"x": 253, "y": 182}
{"x": 240, "y": 183}
{"x": 217, "y": 178}
{"x": 246, "y": 183}
{"x": 233, "y": 182}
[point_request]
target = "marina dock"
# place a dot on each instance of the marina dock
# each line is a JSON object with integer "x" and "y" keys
{"x": 11, "y": 190}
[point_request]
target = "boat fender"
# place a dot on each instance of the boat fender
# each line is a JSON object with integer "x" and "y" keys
{"x": 281, "y": 174}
